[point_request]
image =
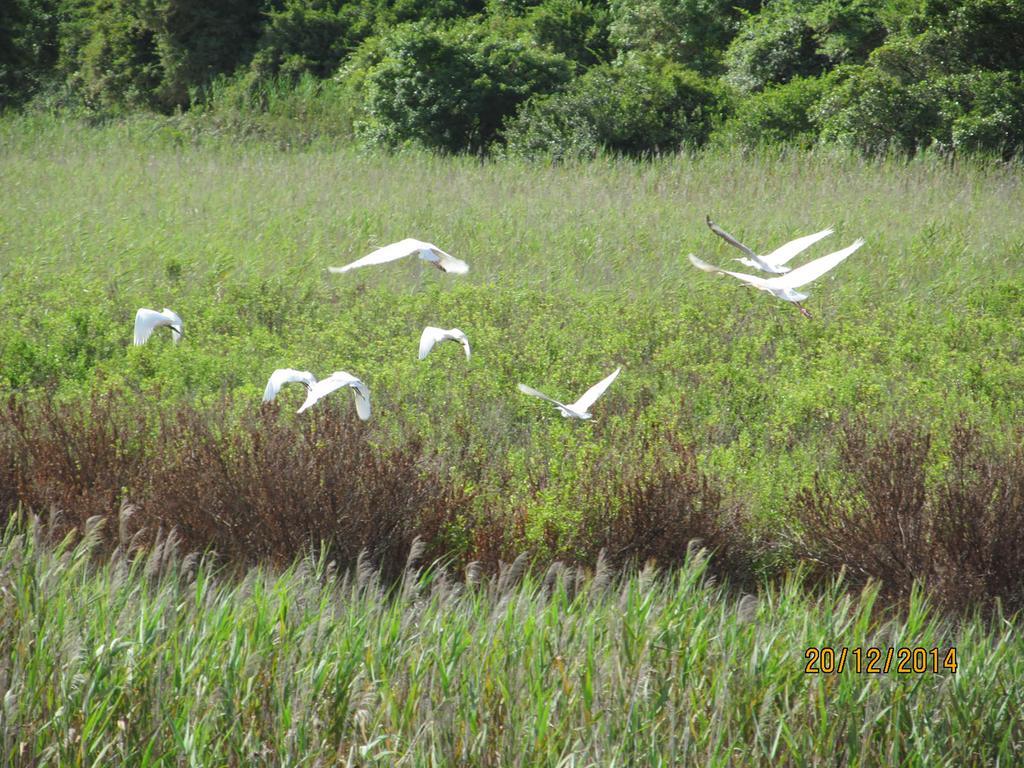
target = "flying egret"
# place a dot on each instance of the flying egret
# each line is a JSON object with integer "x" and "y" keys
{"x": 784, "y": 286}
{"x": 579, "y": 409}
{"x": 426, "y": 251}
{"x": 775, "y": 261}
{"x": 283, "y": 376}
{"x": 432, "y": 335}
{"x": 337, "y": 380}
{"x": 148, "y": 319}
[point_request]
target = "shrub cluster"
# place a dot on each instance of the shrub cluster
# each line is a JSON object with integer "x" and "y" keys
{"x": 450, "y": 89}
{"x": 554, "y": 77}
{"x": 961, "y": 533}
{"x": 265, "y": 487}
{"x": 642, "y": 105}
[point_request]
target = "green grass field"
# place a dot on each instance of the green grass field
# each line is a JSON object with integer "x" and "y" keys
{"x": 574, "y": 270}
{"x": 167, "y": 662}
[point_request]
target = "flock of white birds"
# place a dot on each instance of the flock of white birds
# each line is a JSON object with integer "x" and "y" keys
{"x": 783, "y": 285}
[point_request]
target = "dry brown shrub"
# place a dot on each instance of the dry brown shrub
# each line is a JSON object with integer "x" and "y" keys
{"x": 74, "y": 458}
{"x": 262, "y": 487}
{"x": 660, "y": 514}
{"x": 962, "y": 535}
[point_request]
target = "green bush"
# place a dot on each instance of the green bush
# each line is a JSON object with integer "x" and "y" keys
{"x": 987, "y": 112}
{"x": 578, "y": 29}
{"x": 692, "y": 32}
{"x": 560, "y": 127}
{"x": 118, "y": 63}
{"x": 911, "y": 59}
{"x": 28, "y": 47}
{"x": 157, "y": 54}
{"x": 980, "y": 33}
{"x": 198, "y": 40}
{"x": 392, "y": 12}
{"x": 801, "y": 38}
{"x": 773, "y": 47}
{"x": 449, "y": 88}
{"x": 315, "y": 36}
{"x": 780, "y": 114}
{"x": 305, "y": 36}
{"x": 875, "y": 113}
{"x": 848, "y": 30}
{"x": 642, "y": 105}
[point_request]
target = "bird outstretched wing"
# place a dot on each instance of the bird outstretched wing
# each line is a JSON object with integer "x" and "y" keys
{"x": 590, "y": 396}
{"x": 407, "y": 247}
{"x": 785, "y": 253}
{"x": 147, "y": 320}
{"x": 283, "y": 376}
{"x": 531, "y": 391}
{"x": 335, "y": 381}
{"x": 428, "y": 339}
{"x": 754, "y": 280}
{"x": 730, "y": 239}
{"x": 812, "y": 270}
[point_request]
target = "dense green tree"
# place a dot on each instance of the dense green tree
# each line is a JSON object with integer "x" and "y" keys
{"x": 28, "y": 47}
{"x": 197, "y": 40}
{"x": 980, "y": 33}
{"x": 311, "y": 36}
{"x": 984, "y": 112}
{"x": 118, "y": 64}
{"x": 157, "y": 53}
{"x": 398, "y": 11}
{"x": 780, "y": 114}
{"x": 773, "y": 47}
{"x": 874, "y": 112}
{"x": 692, "y": 32}
{"x": 577, "y": 29}
{"x": 636, "y": 106}
{"x": 848, "y": 30}
{"x": 911, "y": 59}
{"x": 450, "y": 88}
{"x": 554, "y": 77}
{"x": 802, "y": 38}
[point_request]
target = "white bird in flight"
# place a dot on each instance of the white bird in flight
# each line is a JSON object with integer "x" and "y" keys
{"x": 337, "y": 380}
{"x": 784, "y": 286}
{"x": 432, "y": 335}
{"x": 283, "y": 376}
{"x": 427, "y": 251}
{"x": 148, "y": 319}
{"x": 579, "y": 409}
{"x": 775, "y": 261}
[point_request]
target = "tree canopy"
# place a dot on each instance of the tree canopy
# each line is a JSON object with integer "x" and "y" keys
{"x": 553, "y": 77}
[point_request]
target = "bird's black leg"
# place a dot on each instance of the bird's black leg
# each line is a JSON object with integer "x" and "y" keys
{"x": 803, "y": 310}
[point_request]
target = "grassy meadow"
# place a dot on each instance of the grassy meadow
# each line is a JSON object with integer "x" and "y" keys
{"x": 162, "y": 660}
{"x": 879, "y": 440}
{"x": 574, "y": 270}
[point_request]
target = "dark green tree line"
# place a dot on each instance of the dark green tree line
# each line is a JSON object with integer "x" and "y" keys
{"x": 547, "y": 77}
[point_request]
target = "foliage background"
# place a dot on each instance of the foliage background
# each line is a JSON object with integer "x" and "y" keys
{"x": 553, "y": 78}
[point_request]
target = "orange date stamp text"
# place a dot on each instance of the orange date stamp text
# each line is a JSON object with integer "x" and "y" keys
{"x": 872, "y": 660}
